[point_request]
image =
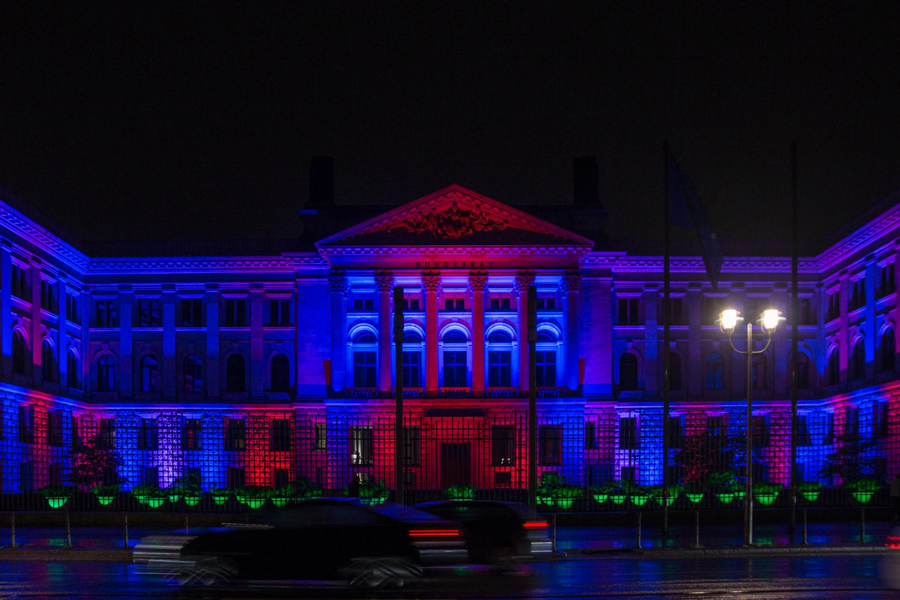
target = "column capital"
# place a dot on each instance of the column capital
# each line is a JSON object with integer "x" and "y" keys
{"x": 384, "y": 281}
{"x": 570, "y": 282}
{"x": 431, "y": 281}
{"x": 338, "y": 282}
{"x": 523, "y": 280}
{"x": 477, "y": 281}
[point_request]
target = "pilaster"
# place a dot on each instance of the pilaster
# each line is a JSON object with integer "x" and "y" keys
{"x": 126, "y": 353}
{"x": 384, "y": 283}
{"x": 477, "y": 284}
{"x": 431, "y": 282}
{"x": 212, "y": 341}
{"x": 257, "y": 357}
{"x": 569, "y": 286}
{"x": 168, "y": 372}
{"x": 524, "y": 279}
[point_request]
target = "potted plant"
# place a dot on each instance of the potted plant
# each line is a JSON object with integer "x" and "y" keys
{"x": 56, "y": 495}
{"x": 254, "y": 496}
{"x": 282, "y": 496}
{"x": 564, "y": 496}
{"x": 150, "y": 495}
{"x": 863, "y": 489}
{"x": 220, "y": 495}
{"x": 810, "y": 490}
{"x": 656, "y": 492}
{"x": 305, "y": 489}
{"x": 188, "y": 486}
{"x": 765, "y": 492}
{"x": 639, "y": 494}
{"x": 694, "y": 494}
{"x": 545, "y": 490}
{"x": 373, "y": 491}
{"x": 619, "y": 492}
{"x": 600, "y": 493}
{"x": 724, "y": 484}
{"x": 459, "y": 491}
{"x": 105, "y": 494}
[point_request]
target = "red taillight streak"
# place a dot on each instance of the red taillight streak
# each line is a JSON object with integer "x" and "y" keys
{"x": 434, "y": 533}
{"x": 533, "y": 524}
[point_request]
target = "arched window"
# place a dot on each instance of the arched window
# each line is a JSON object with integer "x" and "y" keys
{"x": 193, "y": 373}
{"x": 48, "y": 362}
{"x": 73, "y": 369}
{"x": 19, "y": 352}
{"x": 674, "y": 372}
{"x": 455, "y": 352}
{"x": 412, "y": 359}
{"x": 364, "y": 365}
{"x": 235, "y": 374}
{"x": 833, "y": 374}
{"x": 759, "y": 372}
{"x": 149, "y": 373}
{"x": 281, "y": 373}
{"x": 715, "y": 368}
{"x": 628, "y": 372}
{"x": 106, "y": 373}
{"x": 499, "y": 359}
{"x": 802, "y": 371}
{"x": 859, "y": 359}
{"x": 888, "y": 349}
{"x": 545, "y": 359}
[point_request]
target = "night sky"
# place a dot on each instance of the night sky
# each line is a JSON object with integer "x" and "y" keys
{"x": 197, "y": 120}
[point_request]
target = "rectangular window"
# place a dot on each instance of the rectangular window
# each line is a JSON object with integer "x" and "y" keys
{"x": 546, "y": 368}
{"x": 26, "y": 424}
{"x": 886, "y": 281}
{"x": 191, "y": 312}
{"x": 805, "y": 312}
{"x": 106, "y": 313}
{"x": 147, "y": 314}
{"x": 20, "y": 287}
{"x": 760, "y": 432}
{"x": 280, "y": 311}
{"x": 803, "y": 437}
{"x": 412, "y": 369}
{"x": 362, "y": 446}
{"x": 55, "y": 421}
{"x": 72, "y": 312}
{"x": 676, "y": 433}
{"x": 716, "y": 430}
{"x": 76, "y": 435}
{"x": 411, "y": 304}
{"x": 150, "y": 476}
{"x": 880, "y": 416}
{"x": 412, "y": 446}
{"x": 546, "y": 304}
{"x": 280, "y": 435}
{"x": 363, "y": 305}
{"x": 107, "y": 437}
{"x": 457, "y": 304}
{"x": 628, "y": 311}
{"x": 500, "y": 304}
{"x": 590, "y": 435}
{"x": 550, "y": 445}
{"x": 628, "y": 434}
{"x": 364, "y": 369}
{"x": 834, "y": 306}
{"x": 48, "y": 296}
{"x": 148, "y": 435}
{"x": 676, "y": 308}
{"x": 235, "y": 312}
{"x": 851, "y": 426}
{"x": 712, "y": 307}
{"x": 191, "y": 438}
{"x": 499, "y": 368}
{"x": 235, "y": 434}
{"x": 503, "y": 445}
{"x": 455, "y": 368}
{"x": 829, "y": 428}
{"x": 321, "y": 437}
{"x": 858, "y": 293}
{"x": 237, "y": 477}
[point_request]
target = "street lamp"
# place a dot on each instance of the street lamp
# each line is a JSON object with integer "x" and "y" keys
{"x": 768, "y": 322}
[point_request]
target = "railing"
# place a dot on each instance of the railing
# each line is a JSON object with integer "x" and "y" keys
{"x": 502, "y": 392}
{"x": 550, "y": 392}
{"x": 456, "y": 392}
{"x": 413, "y": 392}
{"x": 361, "y": 393}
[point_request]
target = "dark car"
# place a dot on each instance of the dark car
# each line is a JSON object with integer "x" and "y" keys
{"x": 495, "y": 531}
{"x": 323, "y": 539}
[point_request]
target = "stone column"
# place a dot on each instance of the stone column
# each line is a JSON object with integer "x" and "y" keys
{"x": 340, "y": 287}
{"x": 844, "y": 335}
{"x": 871, "y": 330}
{"x": 62, "y": 332}
{"x": 212, "y": 341}
{"x": 651, "y": 340}
{"x": 167, "y": 373}
{"x": 477, "y": 283}
{"x": 781, "y": 299}
{"x": 126, "y": 342}
{"x": 36, "y": 330}
{"x": 384, "y": 282}
{"x": 523, "y": 281}
{"x": 431, "y": 282}
{"x": 597, "y": 318}
{"x": 257, "y": 351}
{"x": 569, "y": 287}
{"x": 6, "y": 315}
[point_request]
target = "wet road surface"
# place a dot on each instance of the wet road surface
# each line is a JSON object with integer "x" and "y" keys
{"x": 837, "y": 577}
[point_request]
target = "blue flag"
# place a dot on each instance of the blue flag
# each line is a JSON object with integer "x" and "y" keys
{"x": 687, "y": 209}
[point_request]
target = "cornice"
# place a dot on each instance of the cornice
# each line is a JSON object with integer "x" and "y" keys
{"x": 23, "y": 227}
{"x": 330, "y": 251}
{"x": 880, "y": 226}
{"x": 210, "y": 265}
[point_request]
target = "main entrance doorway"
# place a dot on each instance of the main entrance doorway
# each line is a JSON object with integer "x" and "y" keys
{"x": 455, "y": 465}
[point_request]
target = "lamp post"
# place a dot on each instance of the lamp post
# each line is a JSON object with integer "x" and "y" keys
{"x": 728, "y": 322}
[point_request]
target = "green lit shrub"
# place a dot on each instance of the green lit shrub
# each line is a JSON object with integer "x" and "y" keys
{"x": 765, "y": 492}
{"x": 254, "y": 496}
{"x": 460, "y": 491}
{"x": 56, "y": 495}
{"x": 373, "y": 491}
{"x": 863, "y": 489}
{"x": 810, "y": 490}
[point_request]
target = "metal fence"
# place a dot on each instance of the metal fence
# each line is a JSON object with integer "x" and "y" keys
{"x": 590, "y": 458}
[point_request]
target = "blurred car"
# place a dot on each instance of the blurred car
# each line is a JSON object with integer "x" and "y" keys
{"x": 889, "y": 565}
{"x": 495, "y": 532}
{"x": 322, "y": 539}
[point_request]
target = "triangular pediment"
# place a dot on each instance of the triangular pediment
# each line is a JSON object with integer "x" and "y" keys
{"x": 455, "y": 216}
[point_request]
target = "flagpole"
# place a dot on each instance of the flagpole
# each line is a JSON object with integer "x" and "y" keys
{"x": 667, "y": 317}
{"x": 795, "y": 318}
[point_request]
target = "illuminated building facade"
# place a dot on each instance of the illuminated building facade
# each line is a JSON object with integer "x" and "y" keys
{"x": 259, "y": 369}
